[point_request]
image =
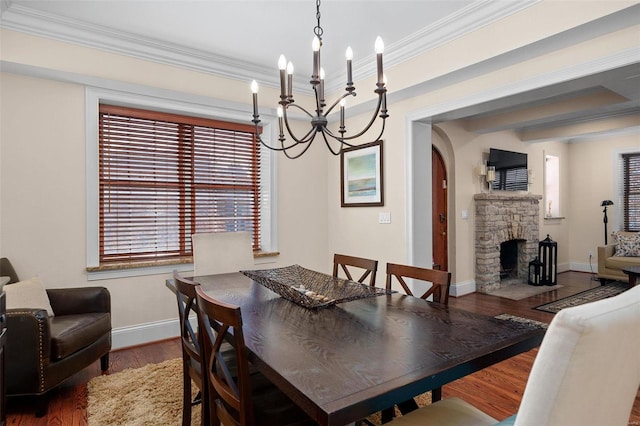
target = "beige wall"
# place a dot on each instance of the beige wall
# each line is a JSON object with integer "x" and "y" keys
{"x": 389, "y": 242}
{"x": 43, "y": 183}
{"x": 42, "y": 158}
{"x": 591, "y": 180}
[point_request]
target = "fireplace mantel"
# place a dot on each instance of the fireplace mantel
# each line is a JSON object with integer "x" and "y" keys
{"x": 504, "y": 216}
{"x": 506, "y": 195}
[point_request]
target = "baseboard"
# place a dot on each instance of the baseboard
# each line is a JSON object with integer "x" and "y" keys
{"x": 144, "y": 333}
{"x": 460, "y": 289}
{"x": 581, "y": 267}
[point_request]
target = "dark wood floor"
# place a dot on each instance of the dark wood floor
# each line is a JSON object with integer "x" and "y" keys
{"x": 496, "y": 390}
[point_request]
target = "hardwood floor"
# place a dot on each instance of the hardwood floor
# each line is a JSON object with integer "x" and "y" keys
{"x": 496, "y": 390}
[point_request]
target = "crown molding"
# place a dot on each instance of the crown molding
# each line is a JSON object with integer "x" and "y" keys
{"x": 19, "y": 17}
{"x": 31, "y": 21}
{"x": 477, "y": 15}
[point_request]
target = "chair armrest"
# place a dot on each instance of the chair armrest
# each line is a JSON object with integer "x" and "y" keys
{"x": 27, "y": 349}
{"x": 79, "y": 300}
{"x": 604, "y": 252}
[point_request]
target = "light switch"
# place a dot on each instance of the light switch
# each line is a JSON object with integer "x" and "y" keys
{"x": 384, "y": 217}
{"x": 464, "y": 214}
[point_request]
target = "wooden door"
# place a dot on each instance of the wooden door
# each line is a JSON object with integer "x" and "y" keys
{"x": 439, "y": 213}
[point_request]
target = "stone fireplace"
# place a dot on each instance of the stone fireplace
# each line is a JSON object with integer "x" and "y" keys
{"x": 509, "y": 220}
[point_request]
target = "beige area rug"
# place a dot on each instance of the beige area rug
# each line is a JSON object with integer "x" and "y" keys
{"x": 151, "y": 396}
{"x": 521, "y": 291}
{"x": 147, "y": 396}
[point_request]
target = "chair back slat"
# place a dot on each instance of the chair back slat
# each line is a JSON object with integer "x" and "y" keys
{"x": 348, "y": 264}
{"x": 186, "y": 296}
{"x": 191, "y": 342}
{"x": 230, "y": 395}
{"x": 440, "y": 281}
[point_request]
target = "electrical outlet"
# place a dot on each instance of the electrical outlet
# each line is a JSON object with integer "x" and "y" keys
{"x": 590, "y": 253}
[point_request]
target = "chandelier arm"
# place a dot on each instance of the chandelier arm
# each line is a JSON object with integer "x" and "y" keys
{"x": 374, "y": 140}
{"x": 368, "y": 126}
{"x": 324, "y": 136}
{"x": 306, "y": 138}
{"x": 300, "y": 154}
{"x": 282, "y": 148}
{"x": 299, "y": 107}
{"x": 338, "y": 101}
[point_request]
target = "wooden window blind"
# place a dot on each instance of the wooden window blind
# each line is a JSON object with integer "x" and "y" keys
{"x": 166, "y": 176}
{"x": 631, "y": 191}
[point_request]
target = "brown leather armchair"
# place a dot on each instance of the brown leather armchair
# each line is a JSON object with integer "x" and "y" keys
{"x": 43, "y": 351}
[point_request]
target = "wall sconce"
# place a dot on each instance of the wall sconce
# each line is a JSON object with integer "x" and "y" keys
{"x": 480, "y": 170}
{"x": 491, "y": 176}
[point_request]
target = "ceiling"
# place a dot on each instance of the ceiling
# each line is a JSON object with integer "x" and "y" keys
{"x": 242, "y": 38}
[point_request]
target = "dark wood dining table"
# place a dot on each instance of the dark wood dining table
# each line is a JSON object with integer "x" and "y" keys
{"x": 345, "y": 362}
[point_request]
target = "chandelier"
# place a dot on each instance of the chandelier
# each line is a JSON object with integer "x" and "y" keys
{"x": 318, "y": 118}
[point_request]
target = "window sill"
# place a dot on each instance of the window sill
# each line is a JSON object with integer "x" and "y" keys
{"x": 554, "y": 217}
{"x": 133, "y": 269}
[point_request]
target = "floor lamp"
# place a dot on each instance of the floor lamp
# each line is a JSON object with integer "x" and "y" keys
{"x": 605, "y": 204}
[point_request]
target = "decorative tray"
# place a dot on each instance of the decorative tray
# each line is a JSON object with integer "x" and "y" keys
{"x": 312, "y": 289}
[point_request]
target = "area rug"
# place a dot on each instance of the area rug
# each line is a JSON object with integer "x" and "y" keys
{"x": 146, "y": 396}
{"x": 521, "y": 291}
{"x": 152, "y": 396}
{"x": 522, "y": 321}
{"x": 591, "y": 295}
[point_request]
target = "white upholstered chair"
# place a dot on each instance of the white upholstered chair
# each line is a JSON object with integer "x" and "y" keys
{"x": 221, "y": 252}
{"x": 587, "y": 372}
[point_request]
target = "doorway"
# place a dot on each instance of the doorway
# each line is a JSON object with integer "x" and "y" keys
{"x": 439, "y": 216}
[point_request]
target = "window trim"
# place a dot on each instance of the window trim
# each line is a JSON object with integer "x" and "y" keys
{"x": 617, "y": 219}
{"x": 95, "y": 96}
{"x": 552, "y": 179}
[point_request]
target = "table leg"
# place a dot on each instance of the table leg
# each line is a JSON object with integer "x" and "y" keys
{"x": 436, "y": 395}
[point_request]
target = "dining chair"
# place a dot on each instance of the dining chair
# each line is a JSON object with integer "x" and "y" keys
{"x": 439, "y": 289}
{"x": 221, "y": 252}
{"x": 587, "y": 372}
{"x": 440, "y": 281}
{"x": 356, "y": 265}
{"x": 244, "y": 398}
{"x": 191, "y": 349}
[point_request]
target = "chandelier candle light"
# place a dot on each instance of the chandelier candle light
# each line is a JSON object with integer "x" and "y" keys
{"x": 319, "y": 119}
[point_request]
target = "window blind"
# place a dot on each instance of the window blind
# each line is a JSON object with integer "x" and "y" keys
{"x": 166, "y": 176}
{"x": 631, "y": 191}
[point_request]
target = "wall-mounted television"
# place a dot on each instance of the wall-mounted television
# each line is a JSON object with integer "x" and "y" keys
{"x": 511, "y": 170}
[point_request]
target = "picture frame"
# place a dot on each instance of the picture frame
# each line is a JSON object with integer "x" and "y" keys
{"x": 361, "y": 176}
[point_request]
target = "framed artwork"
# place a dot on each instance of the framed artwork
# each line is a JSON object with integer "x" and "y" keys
{"x": 361, "y": 178}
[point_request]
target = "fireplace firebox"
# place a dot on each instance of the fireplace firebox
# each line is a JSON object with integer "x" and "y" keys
{"x": 504, "y": 218}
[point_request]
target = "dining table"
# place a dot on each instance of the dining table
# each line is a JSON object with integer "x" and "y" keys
{"x": 343, "y": 362}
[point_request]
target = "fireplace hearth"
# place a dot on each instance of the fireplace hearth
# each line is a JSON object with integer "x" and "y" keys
{"x": 505, "y": 219}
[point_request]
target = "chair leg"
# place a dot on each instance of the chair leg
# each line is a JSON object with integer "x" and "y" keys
{"x": 186, "y": 399}
{"x": 407, "y": 406}
{"x": 41, "y": 405}
{"x": 104, "y": 362}
{"x": 387, "y": 415}
{"x": 436, "y": 394}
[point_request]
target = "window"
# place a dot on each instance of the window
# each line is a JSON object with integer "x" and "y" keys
{"x": 164, "y": 176}
{"x": 552, "y": 186}
{"x": 631, "y": 191}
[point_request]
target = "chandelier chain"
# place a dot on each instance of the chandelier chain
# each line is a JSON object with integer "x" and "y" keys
{"x": 318, "y": 31}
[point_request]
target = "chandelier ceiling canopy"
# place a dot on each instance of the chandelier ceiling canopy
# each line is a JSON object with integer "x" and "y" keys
{"x": 294, "y": 146}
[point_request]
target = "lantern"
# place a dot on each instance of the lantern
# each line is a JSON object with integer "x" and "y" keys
{"x": 535, "y": 270}
{"x": 548, "y": 255}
